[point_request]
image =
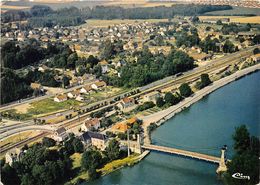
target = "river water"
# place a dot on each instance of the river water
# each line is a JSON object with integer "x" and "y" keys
{"x": 204, "y": 127}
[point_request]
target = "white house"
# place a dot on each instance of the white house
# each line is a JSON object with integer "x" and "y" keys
{"x": 98, "y": 85}
{"x": 126, "y": 103}
{"x": 60, "y": 98}
{"x": 95, "y": 139}
{"x": 86, "y": 89}
{"x": 91, "y": 124}
{"x": 73, "y": 94}
{"x": 104, "y": 66}
{"x": 151, "y": 96}
{"x": 60, "y": 134}
{"x": 13, "y": 156}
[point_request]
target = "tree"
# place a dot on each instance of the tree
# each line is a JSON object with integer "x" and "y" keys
{"x": 66, "y": 81}
{"x": 228, "y": 47}
{"x": 242, "y": 139}
{"x": 48, "y": 142}
{"x": 185, "y": 90}
{"x": 159, "y": 102}
{"x": 170, "y": 98}
{"x": 205, "y": 81}
{"x": 77, "y": 145}
{"x": 9, "y": 175}
{"x": 93, "y": 174}
{"x": 256, "y": 51}
{"x": 108, "y": 49}
{"x": 245, "y": 159}
{"x": 113, "y": 150}
{"x": 91, "y": 159}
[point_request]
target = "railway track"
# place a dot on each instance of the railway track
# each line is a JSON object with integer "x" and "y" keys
{"x": 4, "y": 149}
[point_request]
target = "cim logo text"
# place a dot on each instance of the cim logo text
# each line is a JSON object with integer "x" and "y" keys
{"x": 240, "y": 176}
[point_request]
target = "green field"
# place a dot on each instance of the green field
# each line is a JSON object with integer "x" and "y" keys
{"x": 48, "y": 106}
{"x": 236, "y": 11}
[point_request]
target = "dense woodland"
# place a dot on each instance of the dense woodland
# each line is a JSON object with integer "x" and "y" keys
{"x": 41, "y": 16}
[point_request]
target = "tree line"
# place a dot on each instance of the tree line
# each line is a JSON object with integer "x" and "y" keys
{"x": 41, "y": 16}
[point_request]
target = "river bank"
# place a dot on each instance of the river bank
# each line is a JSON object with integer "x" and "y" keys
{"x": 160, "y": 117}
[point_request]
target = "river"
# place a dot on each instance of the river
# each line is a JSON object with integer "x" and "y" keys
{"x": 204, "y": 127}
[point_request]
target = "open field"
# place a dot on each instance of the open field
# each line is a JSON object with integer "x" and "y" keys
{"x": 8, "y": 7}
{"x": 236, "y": 19}
{"x": 48, "y": 105}
{"x": 236, "y": 11}
{"x": 55, "y": 4}
{"x": 105, "y": 23}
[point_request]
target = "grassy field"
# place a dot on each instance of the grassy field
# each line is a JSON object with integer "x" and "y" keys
{"x": 48, "y": 106}
{"x": 236, "y": 19}
{"x": 112, "y": 166}
{"x": 236, "y": 11}
{"x": 105, "y": 23}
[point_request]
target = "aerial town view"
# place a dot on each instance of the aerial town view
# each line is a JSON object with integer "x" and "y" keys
{"x": 130, "y": 92}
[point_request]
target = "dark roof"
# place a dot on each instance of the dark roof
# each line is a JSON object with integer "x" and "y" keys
{"x": 61, "y": 130}
{"x": 88, "y": 135}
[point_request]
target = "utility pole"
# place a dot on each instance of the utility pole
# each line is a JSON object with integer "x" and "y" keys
{"x": 128, "y": 143}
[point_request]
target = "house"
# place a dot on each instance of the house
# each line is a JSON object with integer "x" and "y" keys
{"x": 43, "y": 68}
{"x": 121, "y": 127}
{"x": 91, "y": 124}
{"x": 60, "y": 98}
{"x": 256, "y": 57}
{"x": 98, "y": 85}
{"x": 60, "y": 134}
{"x": 104, "y": 66}
{"x": 13, "y": 155}
{"x": 94, "y": 139}
{"x": 86, "y": 89}
{"x": 151, "y": 97}
{"x": 36, "y": 86}
{"x": 73, "y": 94}
{"x": 126, "y": 103}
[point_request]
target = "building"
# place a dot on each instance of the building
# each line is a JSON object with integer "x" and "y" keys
{"x": 13, "y": 155}
{"x": 104, "y": 66}
{"x": 91, "y": 124}
{"x": 36, "y": 86}
{"x": 121, "y": 127}
{"x": 126, "y": 103}
{"x": 151, "y": 97}
{"x": 74, "y": 94}
{"x": 86, "y": 89}
{"x": 60, "y": 134}
{"x": 98, "y": 85}
{"x": 60, "y": 98}
{"x": 94, "y": 139}
{"x": 256, "y": 57}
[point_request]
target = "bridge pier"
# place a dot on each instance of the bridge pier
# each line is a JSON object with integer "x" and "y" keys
{"x": 222, "y": 164}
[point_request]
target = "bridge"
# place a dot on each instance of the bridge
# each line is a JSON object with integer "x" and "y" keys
{"x": 139, "y": 146}
{"x": 195, "y": 155}
{"x": 184, "y": 153}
